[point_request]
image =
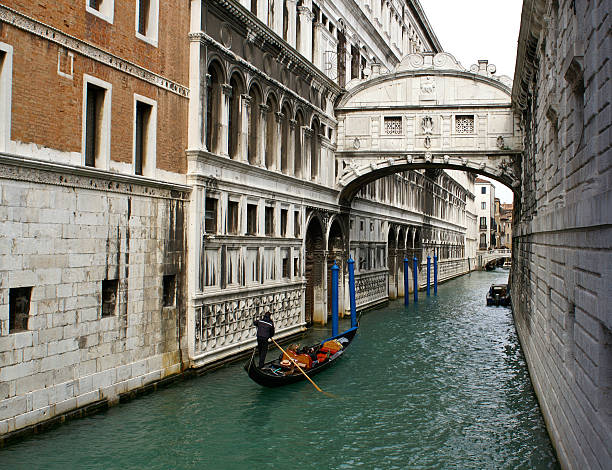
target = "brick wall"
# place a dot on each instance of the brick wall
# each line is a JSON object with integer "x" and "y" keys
{"x": 170, "y": 56}
{"x": 63, "y": 234}
{"x": 47, "y": 106}
{"x": 561, "y": 275}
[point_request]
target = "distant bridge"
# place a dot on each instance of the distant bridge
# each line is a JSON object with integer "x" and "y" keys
{"x": 484, "y": 257}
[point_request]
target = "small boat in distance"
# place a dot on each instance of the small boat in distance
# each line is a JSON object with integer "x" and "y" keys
{"x": 280, "y": 371}
{"x": 499, "y": 294}
{"x": 507, "y": 264}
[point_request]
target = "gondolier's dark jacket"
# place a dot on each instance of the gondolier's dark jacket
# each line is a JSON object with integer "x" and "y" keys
{"x": 265, "y": 327}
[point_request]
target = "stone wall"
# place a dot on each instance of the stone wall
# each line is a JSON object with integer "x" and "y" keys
{"x": 561, "y": 275}
{"x": 91, "y": 280}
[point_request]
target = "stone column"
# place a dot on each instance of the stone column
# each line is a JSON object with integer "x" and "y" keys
{"x": 348, "y": 63}
{"x": 317, "y": 55}
{"x": 278, "y": 17}
{"x": 291, "y": 22}
{"x": 291, "y": 148}
{"x": 306, "y": 151}
{"x": 223, "y": 126}
{"x": 243, "y": 136}
{"x": 278, "y": 141}
{"x": 305, "y": 45}
{"x": 261, "y": 138}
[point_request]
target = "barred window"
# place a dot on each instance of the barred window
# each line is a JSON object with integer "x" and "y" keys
{"x": 393, "y": 125}
{"x": 464, "y": 124}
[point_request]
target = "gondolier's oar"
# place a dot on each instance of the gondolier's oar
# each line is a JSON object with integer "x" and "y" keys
{"x": 296, "y": 365}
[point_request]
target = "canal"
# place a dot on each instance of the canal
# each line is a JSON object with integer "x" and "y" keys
{"x": 442, "y": 384}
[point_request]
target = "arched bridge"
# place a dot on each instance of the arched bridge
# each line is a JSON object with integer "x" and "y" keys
{"x": 429, "y": 113}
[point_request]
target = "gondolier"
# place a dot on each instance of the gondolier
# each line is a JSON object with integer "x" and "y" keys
{"x": 265, "y": 331}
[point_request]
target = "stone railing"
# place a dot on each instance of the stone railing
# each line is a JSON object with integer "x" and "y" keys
{"x": 371, "y": 288}
{"x": 226, "y": 322}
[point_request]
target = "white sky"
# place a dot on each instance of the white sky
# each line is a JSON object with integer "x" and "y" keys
{"x": 478, "y": 29}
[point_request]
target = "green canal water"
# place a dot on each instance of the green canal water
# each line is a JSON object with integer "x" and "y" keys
{"x": 442, "y": 384}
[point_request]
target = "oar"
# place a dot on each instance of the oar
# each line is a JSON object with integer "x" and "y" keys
{"x": 301, "y": 370}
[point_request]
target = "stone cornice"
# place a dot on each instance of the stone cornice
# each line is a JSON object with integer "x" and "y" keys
{"x": 48, "y": 33}
{"x": 256, "y": 28}
{"x": 195, "y": 155}
{"x": 419, "y": 73}
{"x": 16, "y": 167}
{"x": 529, "y": 34}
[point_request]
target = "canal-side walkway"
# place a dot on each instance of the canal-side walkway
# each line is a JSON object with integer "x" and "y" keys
{"x": 439, "y": 385}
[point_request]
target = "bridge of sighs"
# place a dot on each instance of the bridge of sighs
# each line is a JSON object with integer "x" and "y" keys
{"x": 429, "y": 113}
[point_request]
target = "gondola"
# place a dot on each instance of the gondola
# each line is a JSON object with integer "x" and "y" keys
{"x": 273, "y": 375}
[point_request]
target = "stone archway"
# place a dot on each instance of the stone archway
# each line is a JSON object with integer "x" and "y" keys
{"x": 314, "y": 272}
{"x": 336, "y": 251}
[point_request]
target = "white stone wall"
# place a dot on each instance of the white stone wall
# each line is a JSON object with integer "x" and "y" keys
{"x": 562, "y": 250}
{"x": 62, "y": 233}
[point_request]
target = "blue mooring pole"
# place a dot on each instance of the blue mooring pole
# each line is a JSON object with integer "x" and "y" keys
{"x": 416, "y": 275}
{"x": 428, "y": 272}
{"x": 335, "y": 270}
{"x": 351, "y": 270}
{"x": 435, "y": 275}
{"x": 406, "y": 292}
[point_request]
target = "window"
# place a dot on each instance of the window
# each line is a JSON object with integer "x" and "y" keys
{"x": 210, "y": 215}
{"x": 145, "y": 136}
{"x": 6, "y": 72}
{"x": 251, "y": 219}
{"x": 483, "y": 222}
{"x": 286, "y": 263}
{"x": 483, "y": 190}
{"x": 269, "y": 215}
{"x": 96, "y": 122}
{"x": 169, "y": 292}
{"x": 232, "y": 217}
{"x": 464, "y": 124}
{"x": 147, "y": 13}
{"x": 393, "y": 125}
{"x": 283, "y": 222}
{"x": 103, "y": 9}
{"x": 483, "y": 205}
{"x": 109, "y": 296}
{"x": 19, "y": 308}
{"x": 296, "y": 224}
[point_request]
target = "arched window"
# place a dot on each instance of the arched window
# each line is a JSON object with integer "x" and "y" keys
{"x": 315, "y": 150}
{"x": 254, "y": 113}
{"x": 285, "y": 139}
{"x": 213, "y": 102}
{"x": 299, "y": 123}
{"x": 234, "y": 115}
{"x": 271, "y": 137}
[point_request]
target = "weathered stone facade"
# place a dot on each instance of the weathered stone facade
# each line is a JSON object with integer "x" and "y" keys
{"x": 93, "y": 258}
{"x": 561, "y": 278}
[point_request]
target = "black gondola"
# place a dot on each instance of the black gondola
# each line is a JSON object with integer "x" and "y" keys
{"x": 499, "y": 294}
{"x": 273, "y": 375}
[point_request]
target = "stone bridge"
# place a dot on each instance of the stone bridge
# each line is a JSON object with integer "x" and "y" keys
{"x": 484, "y": 257}
{"x": 429, "y": 113}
